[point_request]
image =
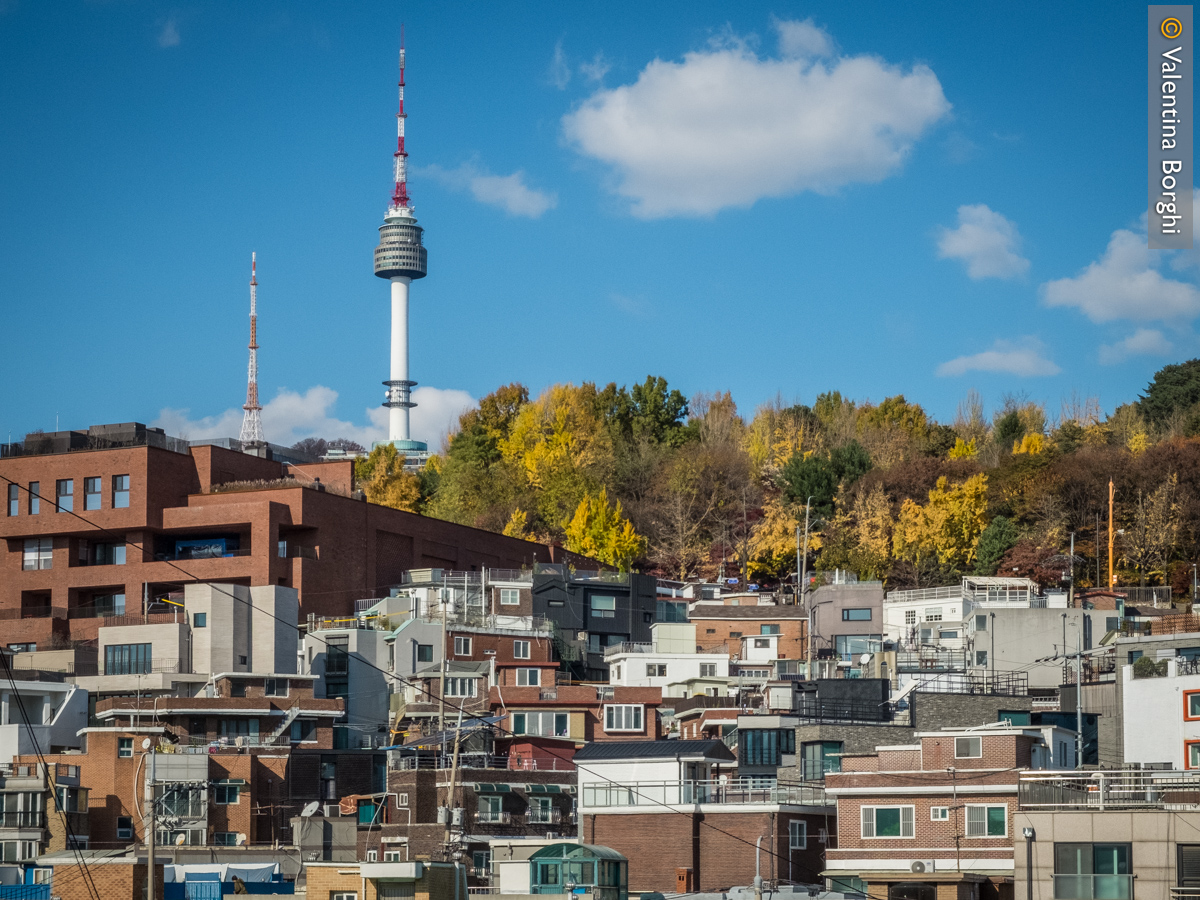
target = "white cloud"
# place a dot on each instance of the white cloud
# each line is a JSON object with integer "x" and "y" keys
{"x": 1125, "y": 283}
{"x": 290, "y": 417}
{"x": 168, "y": 35}
{"x": 509, "y": 192}
{"x": 725, "y": 128}
{"x": 1143, "y": 342}
{"x": 559, "y": 73}
{"x": 596, "y": 69}
{"x": 1023, "y": 357}
{"x": 986, "y": 241}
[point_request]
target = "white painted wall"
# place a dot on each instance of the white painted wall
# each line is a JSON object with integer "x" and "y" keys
{"x": 629, "y": 669}
{"x": 1153, "y": 716}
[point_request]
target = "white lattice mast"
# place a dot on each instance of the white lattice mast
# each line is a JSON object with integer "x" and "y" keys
{"x": 400, "y": 258}
{"x": 252, "y": 431}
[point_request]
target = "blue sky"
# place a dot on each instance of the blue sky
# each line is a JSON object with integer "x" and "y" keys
{"x": 770, "y": 199}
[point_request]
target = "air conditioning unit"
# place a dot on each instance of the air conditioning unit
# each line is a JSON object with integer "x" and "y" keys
{"x": 920, "y": 866}
{"x": 331, "y": 810}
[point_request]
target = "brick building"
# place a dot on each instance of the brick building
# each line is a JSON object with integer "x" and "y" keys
{"x": 89, "y": 531}
{"x": 755, "y": 634}
{"x": 934, "y": 818}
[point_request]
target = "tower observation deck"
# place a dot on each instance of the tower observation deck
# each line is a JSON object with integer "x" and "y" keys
{"x": 401, "y": 258}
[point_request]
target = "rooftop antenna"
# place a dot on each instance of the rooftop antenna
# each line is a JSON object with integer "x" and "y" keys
{"x": 252, "y": 432}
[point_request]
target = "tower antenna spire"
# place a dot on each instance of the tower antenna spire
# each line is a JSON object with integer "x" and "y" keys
{"x": 252, "y": 431}
{"x": 400, "y": 157}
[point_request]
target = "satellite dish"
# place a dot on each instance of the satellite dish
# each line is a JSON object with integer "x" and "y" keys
{"x": 866, "y": 658}
{"x": 310, "y": 809}
{"x": 145, "y": 743}
{"x": 179, "y": 839}
{"x": 241, "y": 839}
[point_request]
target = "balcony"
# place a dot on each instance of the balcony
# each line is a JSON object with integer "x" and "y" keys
{"x": 932, "y": 659}
{"x": 493, "y": 817}
{"x": 1095, "y": 887}
{"x": 147, "y": 667}
{"x": 1109, "y": 789}
{"x": 708, "y": 792}
{"x": 35, "y": 818}
{"x": 539, "y": 816}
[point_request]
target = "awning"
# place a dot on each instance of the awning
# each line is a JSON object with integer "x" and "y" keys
{"x": 491, "y": 787}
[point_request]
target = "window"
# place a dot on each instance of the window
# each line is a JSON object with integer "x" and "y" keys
{"x": 460, "y": 687}
{"x": 856, "y": 615}
{"x": 1083, "y": 871}
{"x": 624, "y": 717}
{"x": 392, "y": 856}
{"x": 762, "y": 643}
{"x": 462, "y": 646}
{"x": 108, "y": 604}
{"x": 235, "y": 728}
{"x": 91, "y": 493}
{"x": 797, "y": 834}
{"x": 372, "y": 855}
{"x": 968, "y": 748}
{"x": 481, "y": 860}
{"x": 656, "y": 670}
{"x": 23, "y": 647}
{"x": 529, "y": 677}
{"x": 1191, "y": 705}
{"x": 768, "y": 629}
{"x": 981, "y": 623}
{"x": 124, "y": 748}
{"x": 424, "y": 652}
{"x": 64, "y": 494}
{"x": 275, "y": 687}
{"x": 14, "y": 500}
{"x": 735, "y": 634}
{"x": 708, "y": 670}
{"x": 343, "y": 895}
{"x": 765, "y": 746}
{"x": 520, "y": 649}
{"x": 35, "y": 498}
{"x": 510, "y": 597}
{"x": 491, "y": 808}
{"x": 604, "y": 607}
{"x": 987, "y": 821}
{"x": 887, "y": 821}
{"x": 127, "y": 659}
{"x": 939, "y": 814}
{"x": 227, "y": 791}
{"x": 200, "y": 620}
{"x": 120, "y": 491}
{"x": 224, "y": 838}
{"x": 108, "y": 554}
{"x": 910, "y": 617}
{"x": 933, "y": 614}
{"x": 981, "y": 657}
{"x": 710, "y": 631}
{"x": 820, "y": 758}
{"x": 124, "y": 828}
{"x": 38, "y": 554}
{"x": 545, "y": 724}
{"x": 947, "y": 635}
{"x": 304, "y": 731}
{"x": 1192, "y": 758}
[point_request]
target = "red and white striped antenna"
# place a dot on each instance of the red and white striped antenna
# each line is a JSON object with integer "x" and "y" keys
{"x": 400, "y": 164}
{"x": 252, "y": 430}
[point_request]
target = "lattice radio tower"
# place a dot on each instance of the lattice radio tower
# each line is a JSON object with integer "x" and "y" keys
{"x": 252, "y": 430}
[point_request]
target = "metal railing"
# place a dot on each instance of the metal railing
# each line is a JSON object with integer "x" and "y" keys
{"x": 1002, "y": 684}
{"x": 539, "y": 816}
{"x": 1158, "y": 595}
{"x": 153, "y": 666}
{"x": 845, "y": 712}
{"x": 953, "y": 592}
{"x": 932, "y": 659}
{"x": 23, "y": 819}
{"x": 712, "y": 791}
{"x": 521, "y": 576}
{"x": 491, "y": 817}
{"x": 1093, "y": 887}
{"x": 34, "y": 612}
{"x": 1107, "y": 789}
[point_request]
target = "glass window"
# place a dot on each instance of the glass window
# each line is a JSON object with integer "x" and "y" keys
{"x": 462, "y": 646}
{"x": 947, "y": 635}
{"x": 424, "y": 652}
{"x": 708, "y": 670}
{"x": 1084, "y": 871}
{"x": 460, "y": 687}
{"x": 520, "y": 649}
{"x": 856, "y": 615}
{"x": 14, "y": 500}
{"x": 939, "y": 814}
{"x": 987, "y": 821}
{"x": 91, "y": 493}
{"x": 981, "y": 623}
{"x": 765, "y": 746}
{"x": 124, "y": 827}
{"x": 275, "y": 687}
{"x": 623, "y": 717}
{"x": 762, "y": 644}
{"x": 910, "y": 617}
{"x": 510, "y": 597}
{"x": 819, "y": 758}
{"x": 768, "y": 629}
{"x": 797, "y": 834}
{"x": 304, "y": 730}
{"x": 529, "y": 677}
{"x": 120, "y": 486}
{"x": 127, "y": 659}
{"x": 108, "y": 554}
{"x": 887, "y": 821}
{"x": 933, "y": 614}
{"x": 546, "y": 723}
{"x": 1193, "y": 700}
{"x": 38, "y": 554}
{"x": 108, "y": 604}
{"x": 199, "y": 620}
{"x": 227, "y": 792}
{"x": 64, "y": 493}
{"x": 35, "y": 498}
{"x": 604, "y": 607}
{"x": 1193, "y": 754}
{"x": 124, "y": 748}
{"x": 968, "y": 747}
{"x": 981, "y": 657}
{"x": 656, "y": 670}
{"x": 225, "y": 838}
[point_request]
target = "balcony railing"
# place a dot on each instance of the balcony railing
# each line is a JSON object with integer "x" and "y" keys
{"x": 686, "y": 793}
{"x": 149, "y": 667}
{"x": 492, "y": 817}
{"x": 1108, "y": 789}
{"x": 932, "y": 660}
{"x": 953, "y": 592}
{"x": 1094, "y": 887}
{"x": 537, "y": 816}
{"x": 23, "y": 819}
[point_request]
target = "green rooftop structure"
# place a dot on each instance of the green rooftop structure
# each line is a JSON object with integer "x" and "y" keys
{"x": 571, "y": 868}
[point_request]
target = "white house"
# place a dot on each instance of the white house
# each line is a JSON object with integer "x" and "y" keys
{"x": 1161, "y": 714}
{"x": 669, "y": 662}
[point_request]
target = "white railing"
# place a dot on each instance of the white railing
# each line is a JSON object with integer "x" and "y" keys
{"x": 925, "y": 594}
{"x": 1108, "y": 789}
{"x": 712, "y": 791}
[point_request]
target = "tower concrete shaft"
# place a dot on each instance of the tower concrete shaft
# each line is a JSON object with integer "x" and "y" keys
{"x": 401, "y": 258}
{"x": 252, "y": 430}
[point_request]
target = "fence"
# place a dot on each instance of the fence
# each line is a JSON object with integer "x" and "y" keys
{"x": 1108, "y": 789}
{"x": 711, "y": 791}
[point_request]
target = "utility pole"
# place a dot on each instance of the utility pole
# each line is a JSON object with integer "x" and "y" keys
{"x": 1079, "y": 696}
{"x": 1110, "y": 535}
{"x": 803, "y": 585}
{"x": 1097, "y": 555}
{"x": 449, "y": 836}
{"x": 992, "y": 653}
{"x": 1071, "y": 583}
{"x": 149, "y": 826}
{"x": 442, "y": 668}
{"x": 798, "y": 581}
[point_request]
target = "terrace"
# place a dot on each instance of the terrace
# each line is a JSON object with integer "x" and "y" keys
{"x": 710, "y": 792}
{"x": 1109, "y": 789}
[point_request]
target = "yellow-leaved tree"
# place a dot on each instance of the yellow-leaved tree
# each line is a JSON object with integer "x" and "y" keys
{"x": 948, "y": 526}
{"x": 600, "y": 531}
{"x": 382, "y": 478}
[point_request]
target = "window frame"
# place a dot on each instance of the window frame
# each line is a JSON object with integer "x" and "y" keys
{"x": 40, "y": 550}
{"x": 454, "y": 683}
{"x": 987, "y": 808}
{"x": 802, "y": 843}
{"x": 637, "y": 710}
{"x": 421, "y": 656}
{"x": 460, "y": 641}
{"x": 124, "y": 832}
{"x": 507, "y": 593}
{"x": 932, "y": 614}
{"x": 267, "y": 692}
{"x": 119, "y": 493}
{"x": 874, "y": 835}
{"x": 976, "y": 738}
{"x": 14, "y": 500}
{"x": 1188, "y": 747}
{"x": 69, "y": 504}
{"x": 90, "y": 482}
{"x": 226, "y": 788}
{"x": 528, "y": 673}
{"x": 939, "y": 814}
{"x": 847, "y": 617}
{"x": 124, "y": 748}
{"x": 1187, "y": 706}
{"x": 200, "y": 620}
{"x": 708, "y": 670}
{"x": 522, "y": 649}
{"x": 597, "y": 608}
{"x": 35, "y": 497}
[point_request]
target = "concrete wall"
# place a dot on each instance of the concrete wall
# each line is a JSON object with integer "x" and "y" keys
{"x": 1156, "y": 725}
{"x": 1023, "y": 636}
{"x": 833, "y": 598}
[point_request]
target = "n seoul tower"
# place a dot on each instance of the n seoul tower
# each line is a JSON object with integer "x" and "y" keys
{"x": 401, "y": 259}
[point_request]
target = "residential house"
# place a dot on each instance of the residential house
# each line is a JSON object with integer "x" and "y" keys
{"x": 671, "y": 663}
